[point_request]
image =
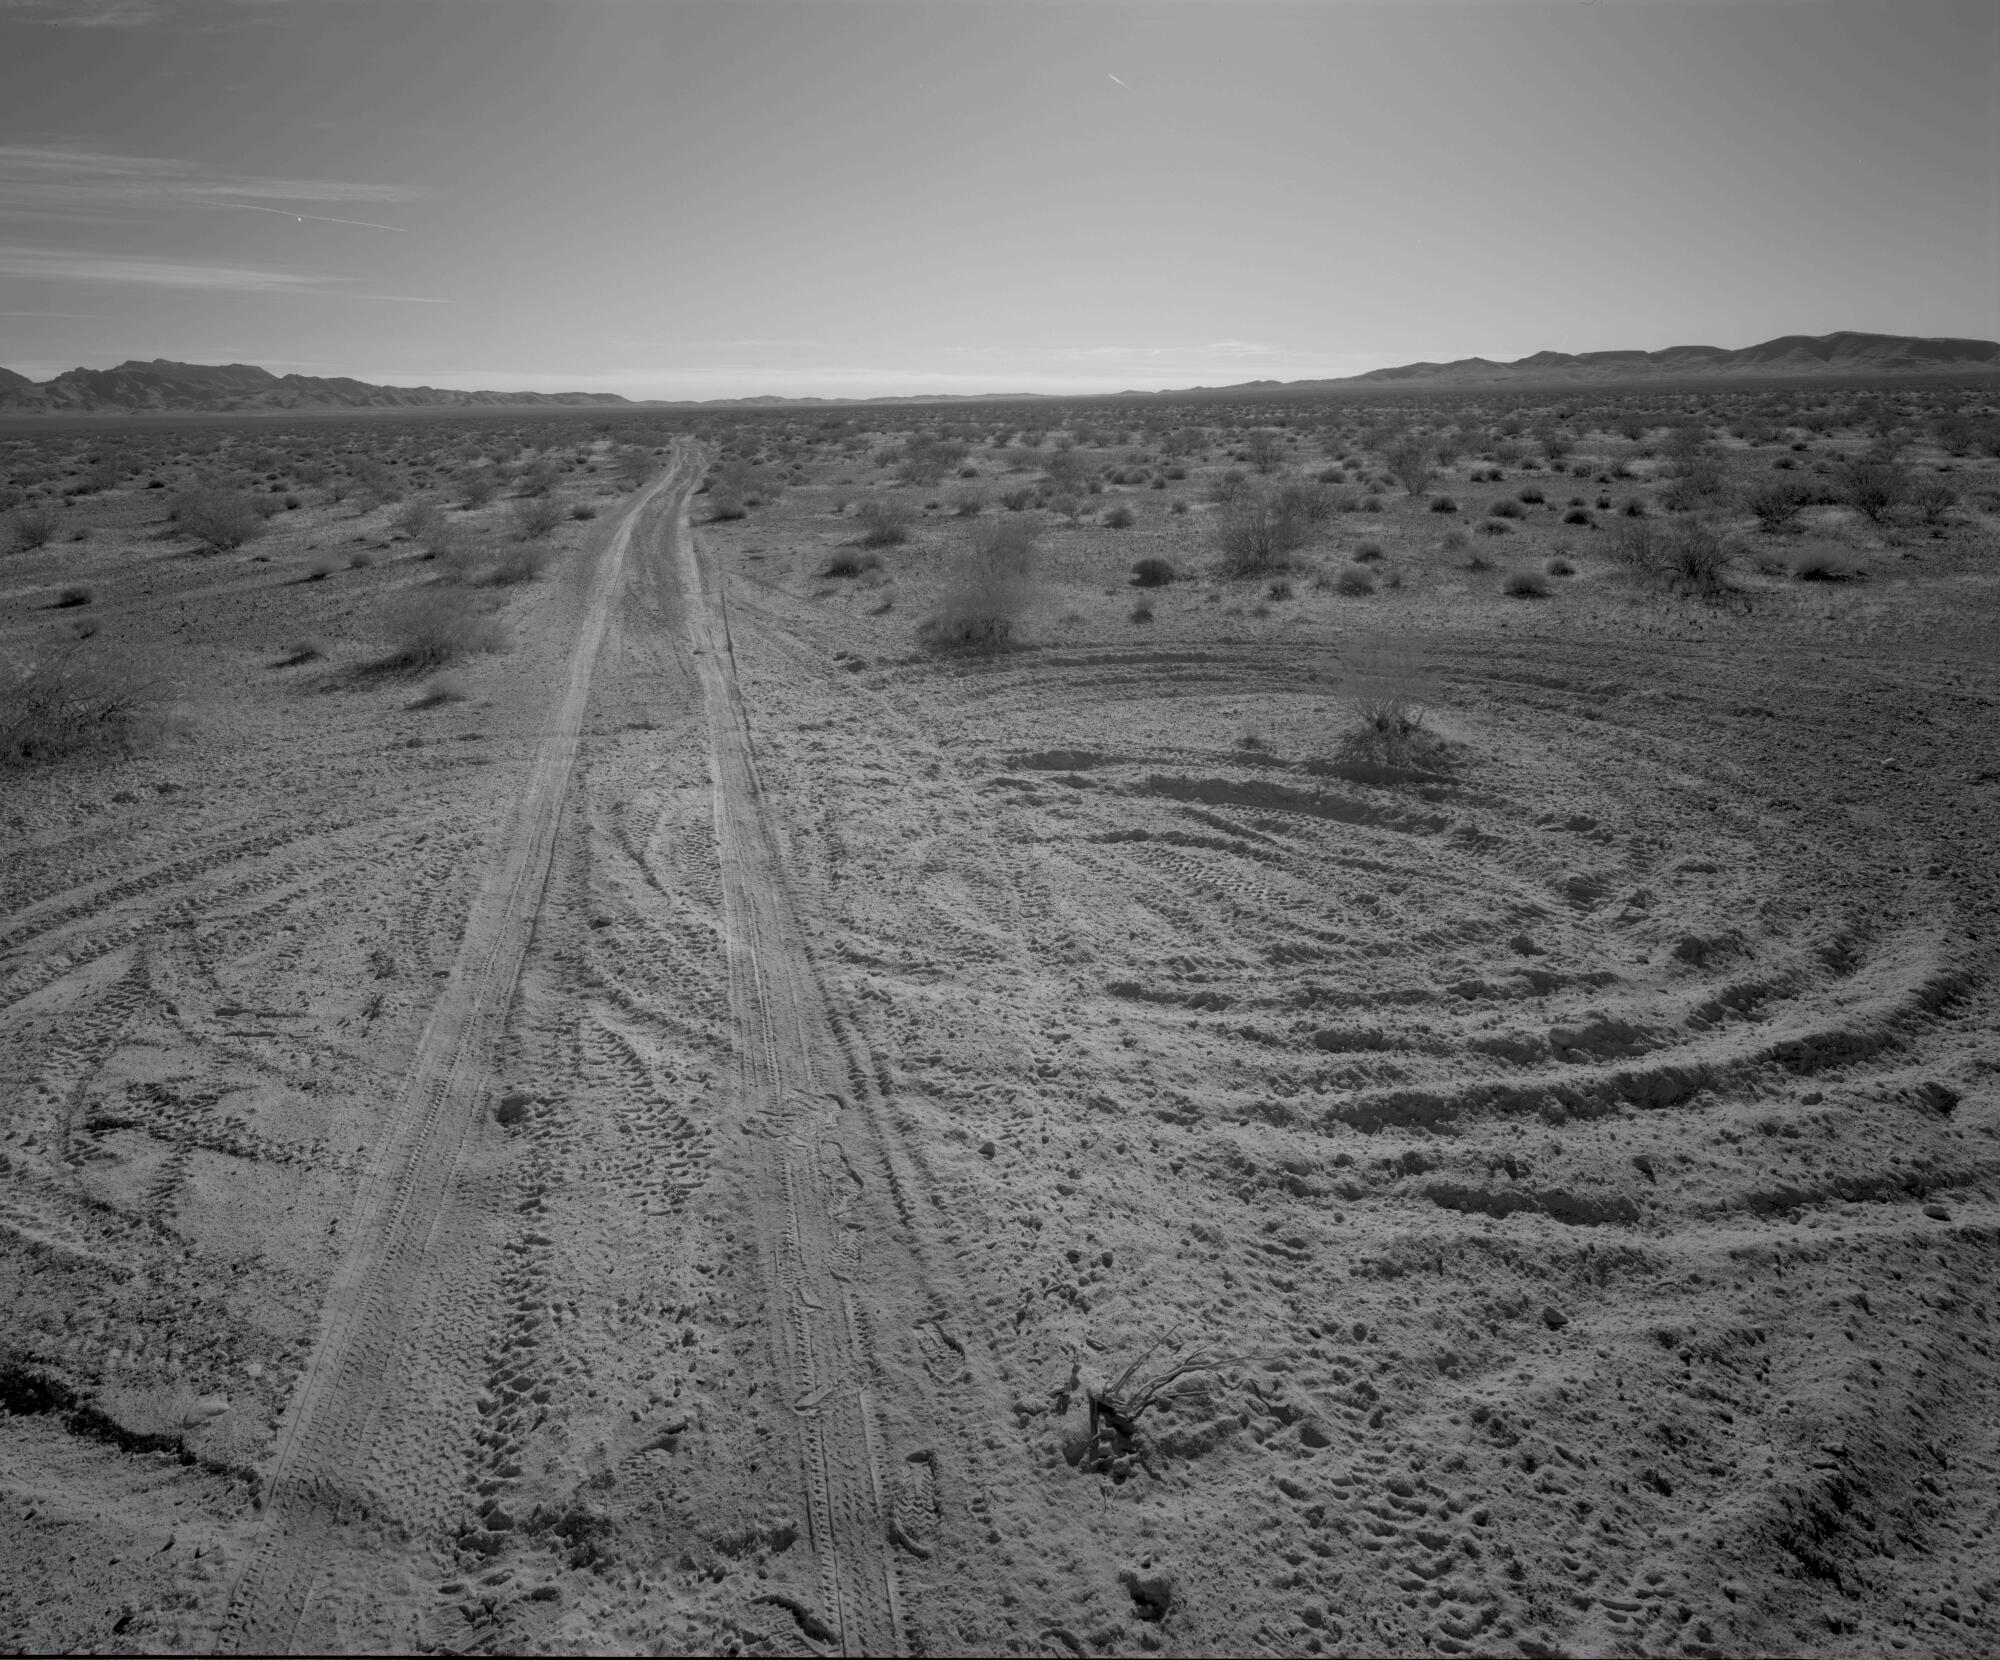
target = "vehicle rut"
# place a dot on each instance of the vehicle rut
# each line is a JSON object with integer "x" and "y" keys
{"x": 821, "y": 1260}
{"x": 356, "y": 1447}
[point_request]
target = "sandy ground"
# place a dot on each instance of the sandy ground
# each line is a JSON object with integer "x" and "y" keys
{"x": 657, "y": 1155}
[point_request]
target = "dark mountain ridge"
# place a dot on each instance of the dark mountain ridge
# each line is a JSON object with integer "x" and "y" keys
{"x": 232, "y": 388}
{"x": 166, "y": 387}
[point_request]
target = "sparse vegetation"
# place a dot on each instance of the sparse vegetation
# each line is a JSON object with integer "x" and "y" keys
{"x": 76, "y": 698}
{"x": 219, "y": 519}
{"x": 535, "y": 516}
{"x": 1685, "y": 555}
{"x": 1259, "y": 534}
{"x": 430, "y": 627}
{"x": 885, "y": 521}
{"x": 988, "y": 592}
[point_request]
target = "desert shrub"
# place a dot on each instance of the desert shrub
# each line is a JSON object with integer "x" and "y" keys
{"x": 1495, "y": 527}
{"x": 1265, "y": 448}
{"x": 967, "y": 504}
{"x": 885, "y": 521}
{"x": 1525, "y": 585}
{"x": 1119, "y": 518}
{"x": 1016, "y": 501}
{"x": 1141, "y": 612}
{"x": 1776, "y": 505}
{"x": 477, "y": 486}
{"x": 535, "y": 516}
{"x": 538, "y": 478}
{"x": 75, "y": 595}
{"x": 1686, "y": 556}
{"x": 1455, "y": 541}
{"x": 1633, "y": 507}
{"x": 1258, "y": 534}
{"x": 1371, "y": 504}
{"x": 372, "y": 476}
{"x": 1699, "y": 478}
{"x": 1279, "y": 589}
{"x": 1505, "y": 509}
{"x": 29, "y": 528}
{"x": 1388, "y": 699}
{"x": 1932, "y": 499}
{"x": 1531, "y": 494}
{"x": 851, "y": 562}
{"x": 73, "y": 699}
{"x": 517, "y": 564}
{"x": 1479, "y": 562}
{"x": 726, "y": 507}
{"x": 583, "y": 510}
{"x": 1560, "y": 566}
{"x": 1233, "y": 483}
{"x": 1410, "y": 463}
{"x": 1152, "y": 572}
{"x": 988, "y": 591}
{"x": 1310, "y": 504}
{"x": 1354, "y": 583}
{"x": 1368, "y": 553}
{"x": 1443, "y": 504}
{"x": 1578, "y": 516}
{"x": 220, "y": 519}
{"x": 1871, "y": 486}
{"x": 429, "y": 627}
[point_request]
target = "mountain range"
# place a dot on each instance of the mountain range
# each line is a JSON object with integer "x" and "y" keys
{"x": 241, "y": 388}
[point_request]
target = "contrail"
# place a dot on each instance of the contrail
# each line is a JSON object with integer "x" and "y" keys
{"x": 1115, "y": 78}
{"x": 317, "y": 218}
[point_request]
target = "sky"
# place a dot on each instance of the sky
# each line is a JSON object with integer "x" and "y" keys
{"x": 859, "y": 198}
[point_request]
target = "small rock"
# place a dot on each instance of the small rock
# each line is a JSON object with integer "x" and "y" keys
{"x": 1937, "y": 1213}
{"x": 1554, "y": 1318}
{"x": 1152, "y": 1592}
{"x": 987, "y": 1149}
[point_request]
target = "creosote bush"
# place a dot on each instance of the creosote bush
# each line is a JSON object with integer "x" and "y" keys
{"x": 73, "y": 699}
{"x": 1152, "y": 572}
{"x": 1686, "y": 555}
{"x": 1525, "y": 585}
{"x": 220, "y": 519}
{"x": 885, "y": 521}
{"x": 430, "y": 627}
{"x": 988, "y": 591}
{"x": 535, "y": 516}
{"x": 1259, "y": 534}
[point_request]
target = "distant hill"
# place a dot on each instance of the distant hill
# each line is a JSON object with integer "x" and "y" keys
{"x": 233, "y": 388}
{"x": 242, "y": 388}
{"x": 1845, "y": 354}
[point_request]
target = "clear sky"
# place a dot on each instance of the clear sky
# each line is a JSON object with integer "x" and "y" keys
{"x": 846, "y": 197}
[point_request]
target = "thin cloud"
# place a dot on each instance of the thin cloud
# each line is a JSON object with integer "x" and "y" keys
{"x": 81, "y": 14}
{"x": 68, "y": 181}
{"x": 130, "y": 270}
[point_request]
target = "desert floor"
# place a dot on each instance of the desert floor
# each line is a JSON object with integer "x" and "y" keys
{"x": 655, "y": 1151}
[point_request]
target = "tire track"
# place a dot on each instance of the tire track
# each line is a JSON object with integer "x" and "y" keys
{"x": 355, "y": 1443}
{"x": 789, "y": 1067}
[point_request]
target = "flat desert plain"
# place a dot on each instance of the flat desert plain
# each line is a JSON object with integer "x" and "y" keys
{"x": 679, "y": 1109}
